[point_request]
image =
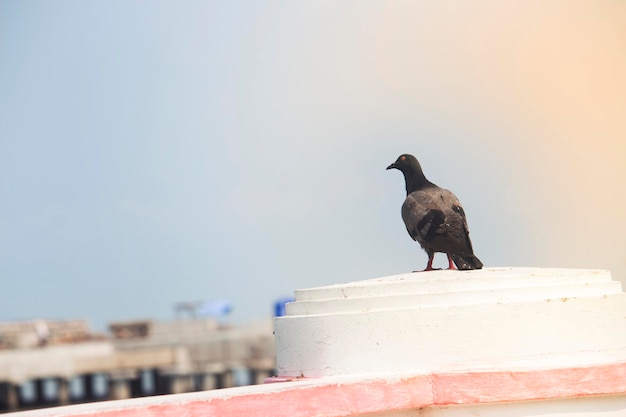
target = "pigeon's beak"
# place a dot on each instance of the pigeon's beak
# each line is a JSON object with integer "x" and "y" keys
{"x": 392, "y": 166}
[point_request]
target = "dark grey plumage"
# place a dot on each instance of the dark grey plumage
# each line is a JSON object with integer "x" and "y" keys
{"x": 434, "y": 217}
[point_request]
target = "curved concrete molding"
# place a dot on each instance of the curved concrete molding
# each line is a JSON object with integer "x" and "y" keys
{"x": 495, "y": 318}
{"x": 574, "y": 392}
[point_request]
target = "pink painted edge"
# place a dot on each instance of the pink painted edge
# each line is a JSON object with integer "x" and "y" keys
{"x": 332, "y": 397}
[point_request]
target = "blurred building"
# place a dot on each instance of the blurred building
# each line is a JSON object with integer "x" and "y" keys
{"x": 48, "y": 362}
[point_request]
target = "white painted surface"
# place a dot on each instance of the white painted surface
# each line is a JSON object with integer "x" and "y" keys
{"x": 495, "y": 318}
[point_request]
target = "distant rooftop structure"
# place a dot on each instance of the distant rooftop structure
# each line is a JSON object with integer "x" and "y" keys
{"x": 33, "y": 333}
{"x": 42, "y": 362}
{"x": 207, "y": 308}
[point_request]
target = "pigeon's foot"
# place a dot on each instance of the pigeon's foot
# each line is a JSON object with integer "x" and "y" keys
{"x": 429, "y": 265}
{"x": 429, "y": 269}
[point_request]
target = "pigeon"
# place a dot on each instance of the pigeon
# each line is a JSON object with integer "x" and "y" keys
{"x": 434, "y": 217}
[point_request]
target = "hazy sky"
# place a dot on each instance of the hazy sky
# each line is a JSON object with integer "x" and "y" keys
{"x": 156, "y": 152}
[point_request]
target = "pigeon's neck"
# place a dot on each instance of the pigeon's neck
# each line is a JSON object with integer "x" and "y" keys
{"x": 415, "y": 180}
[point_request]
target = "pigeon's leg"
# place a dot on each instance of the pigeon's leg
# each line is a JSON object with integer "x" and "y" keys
{"x": 429, "y": 265}
{"x": 450, "y": 262}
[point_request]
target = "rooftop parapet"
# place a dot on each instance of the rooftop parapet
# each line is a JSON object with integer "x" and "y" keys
{"x": 494, "y": 318}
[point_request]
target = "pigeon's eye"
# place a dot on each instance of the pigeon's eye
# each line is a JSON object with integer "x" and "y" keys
{"x": 402, "y": 158}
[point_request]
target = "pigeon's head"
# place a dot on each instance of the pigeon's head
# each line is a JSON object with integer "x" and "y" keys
{"x": 404, "y": 163}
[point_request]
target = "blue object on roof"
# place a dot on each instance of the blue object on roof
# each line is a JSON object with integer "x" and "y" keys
{"x": 279, "y": 306}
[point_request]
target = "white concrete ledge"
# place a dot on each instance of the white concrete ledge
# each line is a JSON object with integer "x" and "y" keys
{"x": 495, "y": 318}
{"x": 452, "y": 288}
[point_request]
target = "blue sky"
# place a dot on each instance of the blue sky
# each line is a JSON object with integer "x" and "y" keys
{"x": 156, "y": 152}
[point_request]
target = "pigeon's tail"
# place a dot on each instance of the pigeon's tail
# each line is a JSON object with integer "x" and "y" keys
{"x": 467, "y": 262}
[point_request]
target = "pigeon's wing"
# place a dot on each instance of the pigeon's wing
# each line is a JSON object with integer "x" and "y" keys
{"x": 458, "y": 241}
{"x": 456, "y": 223}
{"x": 435, "y": 218}
{"x": 423, "y": 218}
